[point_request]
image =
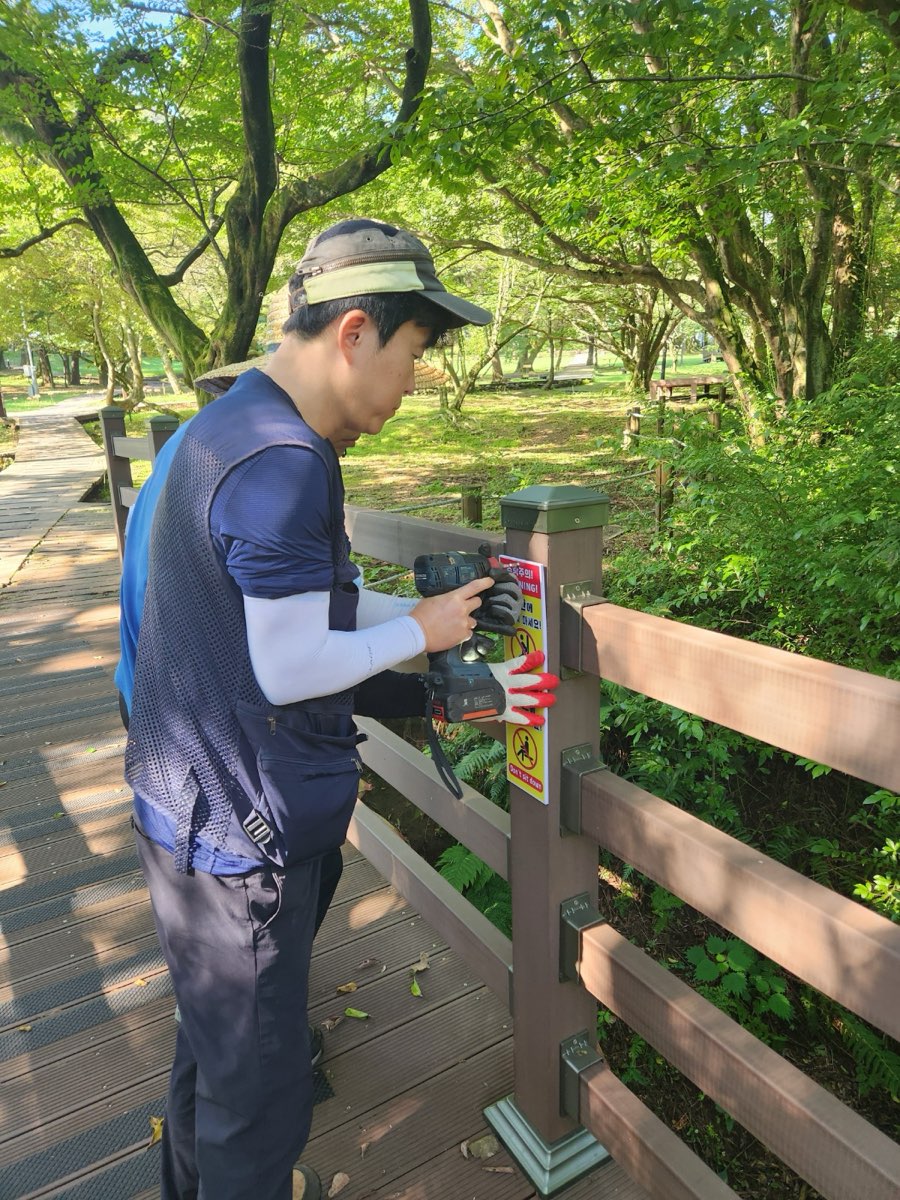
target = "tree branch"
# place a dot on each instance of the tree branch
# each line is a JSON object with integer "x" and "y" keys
{"x": 191, "y": 257}
{"x": 610, "y": 273}
{"x": 16, "y": 251}
{"x": 302, "y": 194}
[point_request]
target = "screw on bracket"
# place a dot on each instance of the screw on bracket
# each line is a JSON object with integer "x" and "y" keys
{"x": 576, "y": 761}
{"x": 575, "y": 914}
{"x": 575, "y": 597}
{"x": 576, "y": 1054}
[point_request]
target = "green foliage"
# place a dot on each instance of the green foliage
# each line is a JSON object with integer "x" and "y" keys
{"x": 877, "y": 1065}
{"x": 480, "y": 885}
{"x": 480, "y": 761}
{"x": 737, "y": 980}
{"x": 795, "y": 543}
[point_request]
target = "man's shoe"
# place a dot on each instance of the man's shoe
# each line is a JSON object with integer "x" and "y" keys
{"x": 307, "y": 1184}
{"x": 316, "y": 1045}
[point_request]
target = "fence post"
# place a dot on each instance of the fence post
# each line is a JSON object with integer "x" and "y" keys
{"x": 160, "y": 428}
{"x": 632, "y": 428}
{"x": 562, "y": 528}
{"x": 118, "y": 469}
{"x": 472, "y": 505}
{"x": 665, "y": 492}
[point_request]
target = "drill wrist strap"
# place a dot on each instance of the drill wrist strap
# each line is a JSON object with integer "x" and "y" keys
{"x": 438, "y": 757}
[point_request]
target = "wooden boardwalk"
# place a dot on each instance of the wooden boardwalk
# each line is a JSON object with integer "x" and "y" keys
{"x": 86, "y": 1009}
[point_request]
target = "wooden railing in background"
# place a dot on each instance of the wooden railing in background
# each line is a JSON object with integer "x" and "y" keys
{"x": 121, "y": 451}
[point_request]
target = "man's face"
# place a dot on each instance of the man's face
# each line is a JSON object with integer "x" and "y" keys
{"x": 381, "y": 377}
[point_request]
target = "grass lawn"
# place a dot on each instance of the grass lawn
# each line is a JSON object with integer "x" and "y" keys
{"x": 501, "y": 442}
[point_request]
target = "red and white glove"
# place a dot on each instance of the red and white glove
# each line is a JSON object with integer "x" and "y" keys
{"x": 526, "y": 690}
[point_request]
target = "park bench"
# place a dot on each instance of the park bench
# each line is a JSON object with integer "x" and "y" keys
{"x": 692, "y": 388}
{"x": 569, "y": 1112}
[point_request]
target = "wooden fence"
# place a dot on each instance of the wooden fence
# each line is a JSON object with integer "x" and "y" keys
{"x": 121, "y": 451}
{"x": 569, "y": 1111}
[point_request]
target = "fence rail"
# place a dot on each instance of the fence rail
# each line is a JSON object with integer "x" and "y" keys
{"x": 568, "y": 1105}
{"x": 122, "y": 451}
{"x": 847, "y": 719}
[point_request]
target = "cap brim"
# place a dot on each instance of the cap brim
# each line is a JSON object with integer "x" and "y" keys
{"x": 464, "y": 311}
{"x": 219, "y": 379}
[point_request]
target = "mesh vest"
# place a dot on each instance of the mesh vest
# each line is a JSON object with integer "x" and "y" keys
{"x": 199, "y": 722}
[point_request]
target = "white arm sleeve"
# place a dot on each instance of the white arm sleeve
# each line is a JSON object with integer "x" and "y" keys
{"x": 376, "y": 607}
{"x": 295, "y": 656}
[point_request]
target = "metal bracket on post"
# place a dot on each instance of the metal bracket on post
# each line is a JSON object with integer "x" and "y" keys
{"x": 577, "y": 761}
{"x": 575, "y": 914}
{"x": 576, "y": 1054}
{"x": 575, "y": 597}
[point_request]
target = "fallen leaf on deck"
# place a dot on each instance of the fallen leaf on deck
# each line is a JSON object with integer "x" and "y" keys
{"x": 501, "y": 1170}
{"x": 346, "y": 987}
{"x": 363, "y": 1148}
{"x": 355, "y": 1012}
{"x": 2, "y": 783}
{"x": 422, "y": 964}
{"x": 156, "y": 1128}
{"x": 338, "y": 1184}
{"x": 331, "y": 1023}
{"x": 464, "y": 1149}
{"x": 368, "y": 963}
{"x": 24, "y": 1028}
{"x": 91, "y": 750}
{"x": 484, "y": 1147}
{"x": 140, "y": 982}
{"x": 414, "y": 987}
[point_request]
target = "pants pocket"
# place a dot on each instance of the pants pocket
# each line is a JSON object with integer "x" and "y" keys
{"x": 311, "y": 803}
{"x": 305, "y": 774}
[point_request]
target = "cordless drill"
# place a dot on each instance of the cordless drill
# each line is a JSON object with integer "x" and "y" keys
{"x": 461, "y": 685}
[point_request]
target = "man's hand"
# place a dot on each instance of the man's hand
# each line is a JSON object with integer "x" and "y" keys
{"x": 527, "y": 688}
{"x": 447, "y": 619}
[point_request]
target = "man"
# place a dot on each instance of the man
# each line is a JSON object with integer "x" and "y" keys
{"x": 256, "y": 645}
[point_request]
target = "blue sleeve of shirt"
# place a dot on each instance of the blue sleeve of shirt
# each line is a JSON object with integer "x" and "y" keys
{"x": 272, "y": 520}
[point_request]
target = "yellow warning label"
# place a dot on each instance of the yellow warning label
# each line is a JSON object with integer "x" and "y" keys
{"x": 526, "y": 745}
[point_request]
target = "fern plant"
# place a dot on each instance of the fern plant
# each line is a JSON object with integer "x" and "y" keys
{"x": 479, "y": 761}
{"x": 877, "y": 1065}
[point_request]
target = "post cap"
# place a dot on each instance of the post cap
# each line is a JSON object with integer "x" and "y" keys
{"x": 554, "y": 508}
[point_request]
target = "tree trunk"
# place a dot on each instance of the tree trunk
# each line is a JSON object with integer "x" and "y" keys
{"x": 496, "y": 369}
{"x": 529, "y": 353}
{"x": 75, "y": 369}
{"x": 108, "y": 368}
{"x": 168, "y": 368}
{"x": 45, "y": 368}
{"x": 132, "y": 344}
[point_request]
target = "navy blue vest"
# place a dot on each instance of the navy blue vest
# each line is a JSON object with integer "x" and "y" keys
{"x": 204, "y": 744}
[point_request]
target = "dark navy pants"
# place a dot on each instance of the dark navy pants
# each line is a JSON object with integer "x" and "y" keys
{"x": 240, "y": 1094}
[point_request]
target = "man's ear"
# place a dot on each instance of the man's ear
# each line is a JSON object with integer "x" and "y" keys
{"x": 351, "y": 331}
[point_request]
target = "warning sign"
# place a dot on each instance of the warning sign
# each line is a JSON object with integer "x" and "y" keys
{"x": 526, "y": 756}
